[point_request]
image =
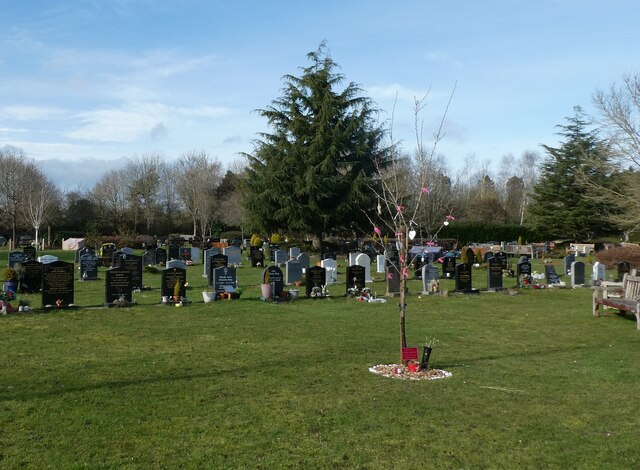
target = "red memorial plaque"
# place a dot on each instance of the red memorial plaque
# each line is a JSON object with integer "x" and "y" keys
{"x": 409, "y": 354}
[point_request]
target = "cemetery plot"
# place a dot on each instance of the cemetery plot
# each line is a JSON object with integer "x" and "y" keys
{"x": 118, "y": 287}
{"x": 57, "y": 284}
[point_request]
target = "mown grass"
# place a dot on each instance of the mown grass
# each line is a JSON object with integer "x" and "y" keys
{"x": 537, "y": 383}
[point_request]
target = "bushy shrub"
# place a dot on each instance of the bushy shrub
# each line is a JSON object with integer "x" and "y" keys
{"x": 611, "y": 257}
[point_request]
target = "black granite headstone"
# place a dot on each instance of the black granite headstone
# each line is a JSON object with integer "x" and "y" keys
{"x": 31, "y": 277}
{"x": 223, "y": 278}
{"x": 273, "y": 275}
{"x": 117, "y": 285}
{"x": 88, "y": 267}
{"x": 161, "y": 256}
{"x": 463, "y": 277}
{"x": 448, "y": 267}
{"x": 356, "y": 277}
{"x": 494, "y": 273}
{"x": 316, "y": 277}
{"x": 172, "y": 277}
{"x": 57, "y": 284}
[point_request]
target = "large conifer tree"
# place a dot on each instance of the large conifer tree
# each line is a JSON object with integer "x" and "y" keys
{"x": 562, "y": 208}
{"x": 313, "y": 171}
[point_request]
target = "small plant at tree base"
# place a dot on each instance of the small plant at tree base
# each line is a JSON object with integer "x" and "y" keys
{"x": 431, "y": 342}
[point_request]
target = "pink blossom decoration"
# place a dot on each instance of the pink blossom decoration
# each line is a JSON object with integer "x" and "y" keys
{"x": 425, "y": 190}
{"x": 400, "y": 208}
{"x": 450, "y": 217}
{"x": 405, "y": 273}
{"x": 390, "y": 276}
{"x": 377, "y": 230}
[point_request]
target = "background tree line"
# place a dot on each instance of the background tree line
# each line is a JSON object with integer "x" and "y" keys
{"x": 315, "y": 174}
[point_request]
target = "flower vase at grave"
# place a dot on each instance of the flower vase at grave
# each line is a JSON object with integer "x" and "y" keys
{"x": 426, "y": 353}
{"x": 266, "y": 290}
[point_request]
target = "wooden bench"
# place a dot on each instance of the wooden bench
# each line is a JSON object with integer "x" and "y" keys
{"x": 624, "y": 297}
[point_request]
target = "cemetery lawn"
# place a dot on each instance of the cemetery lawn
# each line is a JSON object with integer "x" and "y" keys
{"x": 537, "y": 383}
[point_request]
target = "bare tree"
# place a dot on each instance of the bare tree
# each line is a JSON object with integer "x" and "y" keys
{"x": 13, "y": 187}
{"x": 41, "y": 198}
{"x": 110, "y": 196}
{"x": 398, "y": 209}
{"x": 197, "y": 179}
{"x": 143, "y": 184}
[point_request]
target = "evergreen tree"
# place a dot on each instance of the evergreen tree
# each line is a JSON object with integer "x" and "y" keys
{"x": 561, "y": 207}
{"x": 313, "y": 171}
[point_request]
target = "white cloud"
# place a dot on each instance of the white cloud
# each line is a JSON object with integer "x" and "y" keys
{"x": 386, "y": 92}
{"x": 442, "y": 58}
{"x": 136, "y": 121}
{"x": 30, "y": 113}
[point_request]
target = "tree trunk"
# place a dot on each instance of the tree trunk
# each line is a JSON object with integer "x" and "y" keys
{"x": 404, "y": 240}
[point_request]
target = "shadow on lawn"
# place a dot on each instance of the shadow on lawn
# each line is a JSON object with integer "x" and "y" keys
{"x": 61, "y": 389}
{"x": 528, "y": 354}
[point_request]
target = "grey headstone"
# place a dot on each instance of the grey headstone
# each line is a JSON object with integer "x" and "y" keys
{"x": 363, "y": 260}
{"x": 567, "y": 263}
{"x": 176, "y": 263}
{"x": 46, "y": 259}
{"x": 304, "y": 260}
{"x": 577, "y": 274}
{"x": 294, "y": 252}
{"x": 331, "y": 267}
{"x": 598, "y": 272}
{"x": 195, "y": 254}
{"x": 379, "y": 263}
{"x": 279, "y": 257}
{"x": 293, "y": 272}
{"x": 234, "y": 254}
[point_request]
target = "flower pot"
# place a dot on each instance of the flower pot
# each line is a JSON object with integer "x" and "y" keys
{"x": 266, "y": 290}
{"x": 426, "y": 353}
{"x": 294, "y": 294}
{"x": 208, "y": 296}
{"x": 413, "y": 367}
{"x": 10, "y": 286}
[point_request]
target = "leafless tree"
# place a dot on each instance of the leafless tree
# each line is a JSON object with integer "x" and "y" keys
{"x": 41, "y": 198}
{"x": 13, "y": 185}
{"x": 110, "y": 196}
{"x": 197, "y": 178}
{"x": 143, "y": 185}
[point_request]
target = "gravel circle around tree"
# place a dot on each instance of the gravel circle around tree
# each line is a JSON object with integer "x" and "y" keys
{"x": 400, "y": 371}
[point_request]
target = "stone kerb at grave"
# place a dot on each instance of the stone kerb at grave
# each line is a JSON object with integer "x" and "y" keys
{"x": 57, "y": 284}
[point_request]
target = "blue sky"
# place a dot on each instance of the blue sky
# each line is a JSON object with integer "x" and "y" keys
{"x": 86, "y": 84}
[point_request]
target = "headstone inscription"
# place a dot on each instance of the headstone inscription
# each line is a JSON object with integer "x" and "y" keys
{"x": 224, "y": 279}
{"x": 494, "y": 274}
{"x": 356, "y": 278}
{"x": 502, "y": 257}
{"x": 31, "y": 277}
{"x": 173, "y": 279}
{"x": 551, "y": 277}
{"x": 134, "y": 264}
{"x": 89, "y": 267}
{"x": 117, "y": 286}
{"x": 623, "y": 268}
{"x": 316, "y": 279}
{"x": 363, "y": 260}
{"x": 463, "y": 277}
{"x": 273, "y": 275}
{"x": 207, "y": 260}
{"x": 448, "y": 267}
{"x": 29, "y": 252}
{"x": 57, "y": 284}
{"x": 16, "y": 257}
{"x": 293, "y": 272}
{"x": 216, "y": 261}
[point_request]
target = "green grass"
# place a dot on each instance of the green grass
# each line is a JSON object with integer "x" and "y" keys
{"x": 537, "y": 383}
